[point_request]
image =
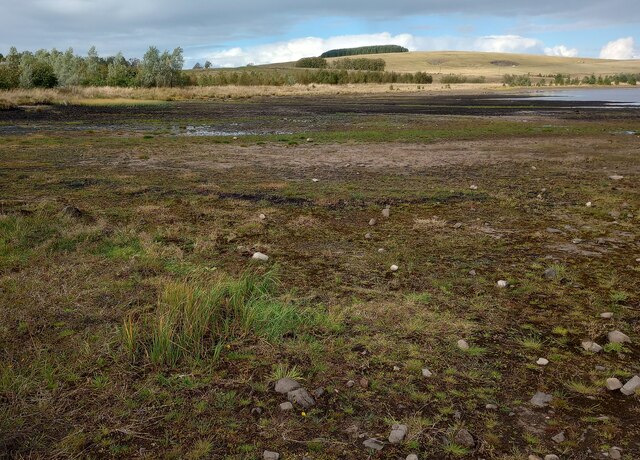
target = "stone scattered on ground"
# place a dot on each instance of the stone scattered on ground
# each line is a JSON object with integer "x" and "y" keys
{"x": 491, "y": 407}
{"x": 412, "y": 457}
{"x": 618, "y": 337}
{"x": 256, "y": 411}
{"x": 616, "y": 177}
{"x": 613, "y": 384}
{"x": 541, "y": 399}
{"x": 589, "y": 204}
{"x": 372, "y": 222}
{"x": 502, "y": 284}
{"x": 551, "y": 457}
{"x": 268, "y": 455}
{"x": 350, "y": 383}
{"x": 464, "y": 438}
{"x": 559, "y": 438}
{"x": 260, "y": 256}
{"x": 373, "y": 443}
{"x": 315, "y": 180}
{"x": 473, "y": 187}
{"x": 457, "y": 225}
{"x": 631, "y": 386}
{"x": 309, "y": 139}
{"x": 318, "y": 392}
{"x": 394, "y": 268}
{"x": 367, "y": 236}
{"x": 426, "y": 372}
{"x": 553, "y": 230}
{"x": 551, "y": 273}
{"x": 381, "y": 250}
{"x": 591, "y": 346}
{"x": 463, "y": 344}
{"x": 286, "y": 384}
{"x": 473, "y": 272}
{"x": 615, "y": 454}
{"x": 542, "y": 361}
{"x": 364, "y": 382}
{"x": 398, "y": 432}
{"x": 386, "y": 212}
{"x": 396, "y": 368}
{"x": 301, "y": 397}
{"x": 285, "y": 406}
{"x": 606, "y": 315}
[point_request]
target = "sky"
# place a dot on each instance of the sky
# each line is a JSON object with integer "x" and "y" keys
{"x": 232, "y": 33}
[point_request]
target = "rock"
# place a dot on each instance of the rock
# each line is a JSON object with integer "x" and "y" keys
{"x": 367, "y": 236}
{"x": 309, "y": 139}
{"x": 394, "y": 268}
{"x": 396, "y": 368}
{"x": 426, "y": 372}
{"x": 551, "y": 457}
{"x": 412, "y": 457}
{"x": 591, "y": 346}
{"x": 398, "y": 432}
{"x": 542, "y": 362}
{"x": 502, "y": 284}
{"x": 473, "y": 187}
{"x": 550, "y": 273}
{"x": 301, "y": 397}
{"x": 260, "y": 256}
{"x": 589, "y": 204}
{"x": 553, "y": 230}
{"x": 616, "y": 177}
{"x": 606, "y": 315}
{"x": 541, "y": 399}
{"x": 285, "y": 406}
{"x": 350, "y": 383}
{"x": 373, "y": 443}
{"x": 235, "y": 138}
{"x": 262, "y": 217}
{"x": 613, "y": 384}
{"x": 464, "y": 438}
{"x": 315, "y": 180}
{"x": 533, "y": 457}
{"x": 614, "y": 453}
{"x": 601, "y": 368}
{"x": 491, "y": 407}
{"x": 457, "y": 225}
{"x": 386, "y": 212}
{"x": 372, "y": 222}
{"x": 381, "y": 250}
{"x": 618, "y": 337}
{"x": 631, "y": 386}
{"x": 462, "y": 344}
{"x": 285, "y": 385}
{"x": 577, "y": 240}
{"x": 559, "y": 438}
{"x": 473, "y": 272}
{"x": 268, "y": 455}
{"x": 318, "y": 392}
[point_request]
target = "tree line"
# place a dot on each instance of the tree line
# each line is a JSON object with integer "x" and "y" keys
{"x": 364, "y": 50}
{"x": 377, "y": 65}
{"x": 48, "y": 69}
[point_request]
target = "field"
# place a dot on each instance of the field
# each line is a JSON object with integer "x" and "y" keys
{"x": 136, "y": 324}
{"x": 493, "y": 66}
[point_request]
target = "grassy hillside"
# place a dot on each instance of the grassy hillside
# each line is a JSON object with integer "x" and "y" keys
{"x": 494, "y": 65}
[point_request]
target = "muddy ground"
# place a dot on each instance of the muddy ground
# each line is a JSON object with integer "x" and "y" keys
{"x": 102, "y": 208}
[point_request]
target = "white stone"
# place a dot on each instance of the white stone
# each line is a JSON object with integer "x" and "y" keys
{"x": 615, "y": 454}
{"x": 463, "y": 345}
{"x": 286, "y": 406}
{"x": 260, "y": 256}
{"x": 262, "y": 217}
{"x": 386, "y": 212}
{"x": 551, "y": 457}
{"x": 631, "y": 386}
{"x": 613, "y": 384}
{"x": 541, "y": 399}
{"x": 502, "y": 284}
{"x": 315, "y": 180}
{"x": 398, "y": 432}
{"x": 372, "y": 222}
{"x": 268, "y": 455}
{"x": 542, "y": 362}
{"x": 589, "y": 204}
{"x": 412, "y": 457}
{"x": 473, "y": 187}
{"x": 606, "y": 315}
{"x": 426, "y": 372}
{"x": 616, "y": 177}
{"x": 373, "y": 443}
{"x": 618, "y": 337}
{"x": 591, "y": 346}
{"x": 394, "y": 268}
{"x": 491, "y": 407}
{"x": 381, "y": 250}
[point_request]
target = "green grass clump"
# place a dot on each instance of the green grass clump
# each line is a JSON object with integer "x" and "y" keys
{"x": 194, "y": 319}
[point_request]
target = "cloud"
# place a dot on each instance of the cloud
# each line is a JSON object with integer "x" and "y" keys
{"x": 622, "y": 48}
{"x": 561, "y": 50}
{"x": 507, "y": 44}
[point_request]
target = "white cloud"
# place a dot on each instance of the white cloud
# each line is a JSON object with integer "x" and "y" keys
{"x": 622, "y": 48}
{"x": 295, "y": 49}
{"x": 507, "y": 44}
{"x": 561, "y": 50}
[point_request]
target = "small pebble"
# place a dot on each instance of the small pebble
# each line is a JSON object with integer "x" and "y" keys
{"x": 473, "y": 187}
{"x": 381, "y": 250}
{"x": 614, "y": 453}
{"x": 606, "y": 315}
{"x": 394, "y": 268}
{"x": 613, "y": 384}
{"x": 473, "y": 272}
{"x": 372, "y": 222}
{"x": 618, "y": 337}
{"x": 616, "y": 177}
{"x": 367, "y": 236}
{"x": 589, "y": 204}
{"x": 262, "y": 217}
{"x": 350, "y": 383}
{"x": 542, "y": 362}
{"x": 502, "y": 284}
{"x": 268, "y": 455}
{"x": 412, "y": 457}
{"x": 463, "y": 345}
{"x": 260, "y": 256}
{"x": 426, "y": 372}
{"x": 396, "y": 368}
{"x": 286, "y": 406}
{"x": 491, "y": 407}
{"x": 386, "y": 212}
{"x": 559, "y": 438}
{"x": 551, "y": 457}
{"x": 315, "y": 180}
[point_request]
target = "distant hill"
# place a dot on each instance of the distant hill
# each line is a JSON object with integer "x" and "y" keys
{"x": 364, "y": 50}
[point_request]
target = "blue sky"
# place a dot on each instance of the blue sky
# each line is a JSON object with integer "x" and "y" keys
{"x": 243, "y": 31}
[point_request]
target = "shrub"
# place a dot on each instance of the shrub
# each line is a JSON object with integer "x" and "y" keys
{"x": 312, "y": 63}
{"x": 516, "y": 80}
{"x": 377, "y": 65}
{"x": 451, "y": 78}
{"x": 364, "y": 50}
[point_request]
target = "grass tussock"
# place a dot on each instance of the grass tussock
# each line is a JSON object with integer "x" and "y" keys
{"x": 194, "y": 319}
